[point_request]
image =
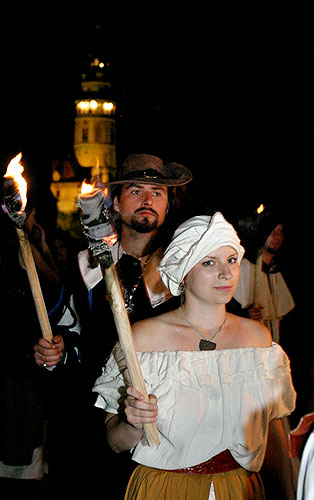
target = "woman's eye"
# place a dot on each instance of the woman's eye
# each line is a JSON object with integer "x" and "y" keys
{"x": 232, "y": 260}
{"x": 208, "y": 263}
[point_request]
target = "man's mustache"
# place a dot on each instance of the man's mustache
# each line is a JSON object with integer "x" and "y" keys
{"x": 139, "y": 210}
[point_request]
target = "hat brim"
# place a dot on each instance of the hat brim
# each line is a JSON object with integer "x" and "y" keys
{"x": 174, "y": 175}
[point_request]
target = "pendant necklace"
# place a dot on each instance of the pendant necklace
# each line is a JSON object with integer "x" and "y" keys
{"x": 205, "y": 344}
{"x": 129, "y": 295}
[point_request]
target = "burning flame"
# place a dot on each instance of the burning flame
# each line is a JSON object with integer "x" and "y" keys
{"x": 110, "y": 240}
{"x": 15, "y": 170}
{"x": 260, "y": 209}
{"x": 87, "y": 188}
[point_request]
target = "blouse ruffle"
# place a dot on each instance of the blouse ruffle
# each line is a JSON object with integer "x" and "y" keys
{"x": 208, "y": 401}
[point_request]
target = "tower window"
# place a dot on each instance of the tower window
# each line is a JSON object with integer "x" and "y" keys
{"x": 98, "y": 132}
{"x": 85, "y": 135}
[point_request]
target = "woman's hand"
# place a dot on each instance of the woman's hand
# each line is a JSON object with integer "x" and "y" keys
{"x": 138, "y": 411}
{"x": 125, "y": 430}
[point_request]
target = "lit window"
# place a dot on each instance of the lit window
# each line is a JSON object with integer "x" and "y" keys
{"x": 93, "y": 105}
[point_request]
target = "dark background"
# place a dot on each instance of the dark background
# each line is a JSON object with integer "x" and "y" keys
{"x": 227, "y": 92}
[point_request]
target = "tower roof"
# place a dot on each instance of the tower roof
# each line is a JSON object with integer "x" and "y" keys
{"x": 96, "y": 78}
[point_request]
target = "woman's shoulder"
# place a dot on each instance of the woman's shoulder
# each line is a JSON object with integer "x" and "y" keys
{"x": 250, "y": 332}
{"x": 148, "y": 333}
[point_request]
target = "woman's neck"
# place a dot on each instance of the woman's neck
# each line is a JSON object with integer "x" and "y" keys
{"x": 208, "y": 317}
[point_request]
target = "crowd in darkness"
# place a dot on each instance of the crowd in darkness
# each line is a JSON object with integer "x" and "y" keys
{"x": 51, "y": 430}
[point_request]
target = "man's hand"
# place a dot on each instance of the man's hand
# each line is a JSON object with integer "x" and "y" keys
{"x": 255, "y": 312}
{"x": 49, "y": 354}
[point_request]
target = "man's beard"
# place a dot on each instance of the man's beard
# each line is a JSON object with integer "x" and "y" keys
{"x": 144, "y": 225}
{"x": 271, "y": 250}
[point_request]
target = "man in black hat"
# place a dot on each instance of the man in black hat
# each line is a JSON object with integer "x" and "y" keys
{"x": 143, "y": 198}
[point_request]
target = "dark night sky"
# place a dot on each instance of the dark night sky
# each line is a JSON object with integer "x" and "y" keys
{"x": 228, "y": 93}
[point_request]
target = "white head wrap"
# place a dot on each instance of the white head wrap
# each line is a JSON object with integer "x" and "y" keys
{"x": 191, "y": 242}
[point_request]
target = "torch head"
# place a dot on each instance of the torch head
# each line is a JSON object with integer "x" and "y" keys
{"x": 98, "y": 224}
{"x": 12, "y": 203}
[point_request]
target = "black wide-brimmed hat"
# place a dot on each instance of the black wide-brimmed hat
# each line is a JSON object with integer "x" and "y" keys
{"x": 149, "y": 169}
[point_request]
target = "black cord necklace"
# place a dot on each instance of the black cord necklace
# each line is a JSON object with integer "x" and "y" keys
{"x": 205, "y": 344}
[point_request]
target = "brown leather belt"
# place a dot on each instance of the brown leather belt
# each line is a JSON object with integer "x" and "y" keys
{"x": 223, "y": 462}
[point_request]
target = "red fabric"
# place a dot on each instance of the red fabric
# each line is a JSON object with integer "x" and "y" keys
{"x": 223, "y": 462}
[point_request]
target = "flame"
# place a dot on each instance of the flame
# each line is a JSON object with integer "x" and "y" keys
{"x": 260, "y": 209}
{"x": 110, "y": 240}
{"x": 87, "y": 188}
{"x": 14, "y": 170}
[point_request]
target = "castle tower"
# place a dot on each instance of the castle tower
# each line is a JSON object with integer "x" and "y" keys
{"x": 94, "y": 143}
{"x": 95, "y": 126}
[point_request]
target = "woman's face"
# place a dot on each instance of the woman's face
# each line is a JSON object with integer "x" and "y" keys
{"x": 214, "y": 279}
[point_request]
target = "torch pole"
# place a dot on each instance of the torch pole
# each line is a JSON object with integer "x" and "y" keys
{"x": 34, "y": 284}
{"x": 124, "y": 330}
{"x": 258, "y": 274}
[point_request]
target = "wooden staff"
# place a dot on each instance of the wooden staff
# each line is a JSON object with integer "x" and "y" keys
{"x": 124, "y": 330}
{"x": 258, "y": 275}
{"x": 34, "y": 284}
{"x": 14, "y": 184}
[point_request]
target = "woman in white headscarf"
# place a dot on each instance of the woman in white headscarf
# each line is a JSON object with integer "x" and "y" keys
{"x": 218, "y": 385}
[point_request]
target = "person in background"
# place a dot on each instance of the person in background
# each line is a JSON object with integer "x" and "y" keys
{"x": 262, "y": 290}
{"x": 305, "y": 488}
{"x": 218, "y": 385}
{"x": 23, "y": 465}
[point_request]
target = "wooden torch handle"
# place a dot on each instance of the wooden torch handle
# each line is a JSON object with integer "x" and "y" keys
{"x": 34, "y": 284}
{"x": 124, "y": 330}
{"x": 258, "y": 272}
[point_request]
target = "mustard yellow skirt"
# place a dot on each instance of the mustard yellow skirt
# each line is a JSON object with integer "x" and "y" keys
{"x": 153, "y": 484}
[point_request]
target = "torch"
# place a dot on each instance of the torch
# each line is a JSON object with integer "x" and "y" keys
{"x": 14, "y": 202}
{"x": 98, "y": 228}
{"x": 258, "y": 265}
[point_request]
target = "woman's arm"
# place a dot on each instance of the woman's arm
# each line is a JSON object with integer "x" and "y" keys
{"x": 124, "y": 431}
{"x": 277, "y": 465}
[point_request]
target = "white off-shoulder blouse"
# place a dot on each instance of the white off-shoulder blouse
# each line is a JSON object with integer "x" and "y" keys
{"x": 208, "y": 401}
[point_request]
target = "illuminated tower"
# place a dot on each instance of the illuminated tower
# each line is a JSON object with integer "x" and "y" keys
{"x": 95, "y": 126}
{"x": 94, "y": 143}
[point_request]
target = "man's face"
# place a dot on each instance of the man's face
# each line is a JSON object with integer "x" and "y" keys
{"x": 142, "y": 207}
{"x": 275, "y": 239}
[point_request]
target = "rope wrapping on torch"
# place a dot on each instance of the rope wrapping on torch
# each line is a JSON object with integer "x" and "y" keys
{"x": 97, "y": 222}
{"x": 12, "y": 202}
